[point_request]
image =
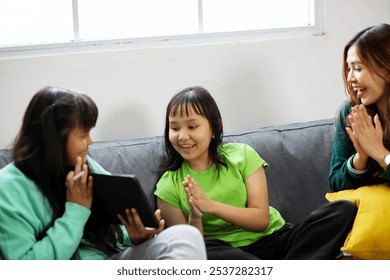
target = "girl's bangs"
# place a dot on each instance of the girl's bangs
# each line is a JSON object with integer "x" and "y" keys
{"x": 88, "y": 113}
{"x": 184, "y": 106}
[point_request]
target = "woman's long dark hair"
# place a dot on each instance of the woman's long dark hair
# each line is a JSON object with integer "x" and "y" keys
{"x": 39, "y": 150}
{"x": 373, "y": 47}
{"x": 200, "y": 100}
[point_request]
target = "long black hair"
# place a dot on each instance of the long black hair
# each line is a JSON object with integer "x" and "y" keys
{"x": 200, "y": 100}
{"x": 373, "y": 47}
{"x": 39, "y": 150}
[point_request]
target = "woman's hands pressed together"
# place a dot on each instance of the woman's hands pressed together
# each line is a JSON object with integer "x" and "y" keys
{"x": 80, "y": 190}
{"x": 367, "y": 137}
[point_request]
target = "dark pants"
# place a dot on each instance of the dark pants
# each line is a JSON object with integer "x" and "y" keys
{"x": 319, "y": 237}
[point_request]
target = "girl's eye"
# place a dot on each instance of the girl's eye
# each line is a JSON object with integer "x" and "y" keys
{"x": 354, "y": 69}
{"x": 174, "y": 128}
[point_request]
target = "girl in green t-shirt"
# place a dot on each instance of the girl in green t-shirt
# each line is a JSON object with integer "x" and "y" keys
{"x": 221, "y": 189}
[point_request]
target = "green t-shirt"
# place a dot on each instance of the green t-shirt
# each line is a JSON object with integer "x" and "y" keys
{"x": 228, "y": 187}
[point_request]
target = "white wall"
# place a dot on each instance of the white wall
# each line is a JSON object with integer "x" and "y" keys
{"x": 256, "y": 84}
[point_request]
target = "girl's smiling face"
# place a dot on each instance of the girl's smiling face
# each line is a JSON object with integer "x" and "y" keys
{"x": 190, "y": 135}
{"x": 368, "y": 85}
{"x": 77, "y": 145}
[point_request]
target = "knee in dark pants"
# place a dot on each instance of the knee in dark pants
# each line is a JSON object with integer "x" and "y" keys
{"x": 347, "y": 207}
{"x": 346, "y": 210}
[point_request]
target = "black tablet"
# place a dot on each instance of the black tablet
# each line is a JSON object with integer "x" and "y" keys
{"x": 113, "y": 194}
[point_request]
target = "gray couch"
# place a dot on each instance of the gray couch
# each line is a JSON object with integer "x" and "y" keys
{"x": 298, "y": 155}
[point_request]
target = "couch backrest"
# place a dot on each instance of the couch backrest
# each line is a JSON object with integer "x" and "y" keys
{"x": 5, "y": 157}
{"x": 141, "y": 157}
{"x": 298, "y": 155}
{"x": 299, "y": 159}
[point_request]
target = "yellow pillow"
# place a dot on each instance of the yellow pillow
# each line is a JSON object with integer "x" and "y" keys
{"x": 370, "y": 234}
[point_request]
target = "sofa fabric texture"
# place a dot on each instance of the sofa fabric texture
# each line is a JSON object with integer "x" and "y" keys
{"x": 298, "y": 155}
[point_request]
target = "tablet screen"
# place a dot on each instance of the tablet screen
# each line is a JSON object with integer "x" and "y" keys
{"x": 113, "y": 194}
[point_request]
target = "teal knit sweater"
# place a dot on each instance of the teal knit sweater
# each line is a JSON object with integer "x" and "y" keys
{"x": 24, "y": 214}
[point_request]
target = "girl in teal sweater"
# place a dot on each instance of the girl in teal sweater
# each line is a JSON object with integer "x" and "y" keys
{"x": 45, "y": 212}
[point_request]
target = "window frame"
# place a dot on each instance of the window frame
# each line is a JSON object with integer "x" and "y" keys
{"x": 172, "y": 40}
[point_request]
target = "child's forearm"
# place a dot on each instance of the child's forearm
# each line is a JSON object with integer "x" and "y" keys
{"x": 253, "y": 219}
{"x": 196, "y": 222}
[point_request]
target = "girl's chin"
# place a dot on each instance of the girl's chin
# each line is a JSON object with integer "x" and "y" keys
{"x": 366, "y": 102}
{"x": 73, "y": 162}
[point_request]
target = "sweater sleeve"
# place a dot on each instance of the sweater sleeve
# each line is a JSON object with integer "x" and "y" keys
{"x": 24, "y": 214}
{"x": 64, "y": 237}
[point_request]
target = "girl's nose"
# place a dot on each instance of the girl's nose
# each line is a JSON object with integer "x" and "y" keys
{"x": 90, "y": 141}
{"x": 351, "y": 77}
{"x": 183, "y": 135}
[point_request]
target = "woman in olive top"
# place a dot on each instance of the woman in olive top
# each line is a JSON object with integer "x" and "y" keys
{"x": 45, "y": 210}
{"x": 361, "y": 149}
